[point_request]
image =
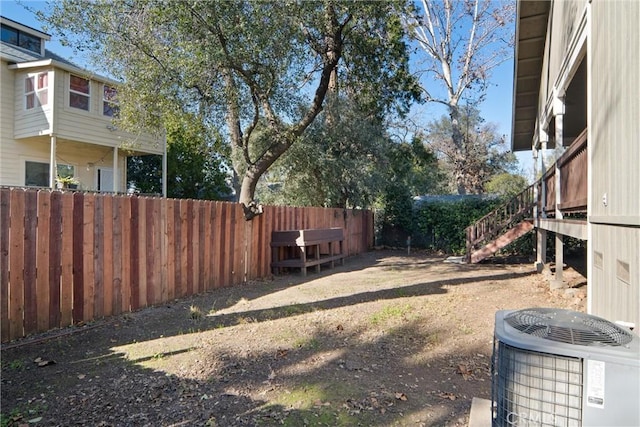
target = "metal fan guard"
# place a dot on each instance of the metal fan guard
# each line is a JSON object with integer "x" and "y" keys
{"x": 568, "y": 326}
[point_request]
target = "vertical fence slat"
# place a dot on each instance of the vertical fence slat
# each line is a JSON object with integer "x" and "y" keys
{"x": 201, "y": 247}
{"x": 170, "y": 243}
{"x": 142, "y": 252}
{"x": 16, "y": 265}
{"x": 67, "y": 259}
{"x": 4, "y": 264}
{"x": 207, "y": 257}
{"x": 127, "y": 252}
{"x": 55, "y": 259}
{"x": 42, "y": 260}
{"x": 107, "y": 255}
{"x": 98, "y": 257}
{"x": 162, "y": 243}
{"x": 217, "y": 241}
{"x": 29, "y": 272}
{"x": 135, "y": 254}
{"x": 224, "y": 247}
{"x": 88, "y": 256}
{"x": 149, "y": 251}
{"x": 184, "y": 243}
{"x": 116, "y": 230}
{"x": 195, "y": 246}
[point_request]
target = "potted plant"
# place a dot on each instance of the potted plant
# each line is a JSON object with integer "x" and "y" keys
{"x": 66, "y": 182}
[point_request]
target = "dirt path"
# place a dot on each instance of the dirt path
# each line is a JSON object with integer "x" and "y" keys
{"x": 385, "y": 340}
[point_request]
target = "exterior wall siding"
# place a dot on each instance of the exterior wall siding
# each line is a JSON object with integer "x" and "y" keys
{"x": 8, "y": 165}
{"x": 616, "y": 273}
{"x": 92, "y": 126}
{"x": 615, "y": 113}
{"x": 36, "y": 121}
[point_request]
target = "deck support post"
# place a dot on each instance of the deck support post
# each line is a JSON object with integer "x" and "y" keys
{"x": 558, "y": 110}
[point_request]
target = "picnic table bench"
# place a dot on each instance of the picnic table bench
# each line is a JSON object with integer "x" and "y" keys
{"x": 306, "y": 248}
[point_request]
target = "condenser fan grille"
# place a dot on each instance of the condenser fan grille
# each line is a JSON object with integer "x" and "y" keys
{"x": 568, "y": 327}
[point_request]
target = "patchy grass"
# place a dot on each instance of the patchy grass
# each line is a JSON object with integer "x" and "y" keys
{"x": 390, "y": 312}
{"x": 195, "y": 313}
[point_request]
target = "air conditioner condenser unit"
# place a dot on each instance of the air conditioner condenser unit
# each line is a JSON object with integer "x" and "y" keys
{"x": 554, "y": 367}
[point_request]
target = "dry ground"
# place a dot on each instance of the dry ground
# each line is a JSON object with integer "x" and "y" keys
{"x": 385, "y": 340}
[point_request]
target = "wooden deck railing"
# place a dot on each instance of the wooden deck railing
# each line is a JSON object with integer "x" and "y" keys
{"x": 572, "y": 166}
{"x": 69, "y": 257}
{"x": 573, "y": 180}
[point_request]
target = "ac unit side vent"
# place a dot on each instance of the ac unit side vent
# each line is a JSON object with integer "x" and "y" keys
{"x": 535, "y": 389}
{"x": 568, "y": 327}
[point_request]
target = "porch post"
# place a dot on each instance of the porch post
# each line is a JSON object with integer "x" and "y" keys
{"x": 116, "y": 181}
{"x": 558, "y": 110}
{"x": 541, "y": 235}
{"x": 53, "y": 169}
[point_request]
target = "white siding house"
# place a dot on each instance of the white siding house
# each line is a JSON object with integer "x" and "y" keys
{"x": 53, "y": 112}
{"x": 578, "y": 73}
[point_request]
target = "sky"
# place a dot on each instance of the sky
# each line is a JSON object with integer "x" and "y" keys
{"x": 497, "y": 108}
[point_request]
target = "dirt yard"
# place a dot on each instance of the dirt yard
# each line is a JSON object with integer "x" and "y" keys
{"x": 385, "y": 340}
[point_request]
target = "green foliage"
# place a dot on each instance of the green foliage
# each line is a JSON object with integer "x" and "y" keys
{"x": 335, "y": 163}
{"x": 481, "y": 154}
{"x": 442, "y": 224}
{"x": 436, "y": 225}
{"x": 506, "y": 185}
{"x": 195, "y": 169}
{"x": 242, "y": 63}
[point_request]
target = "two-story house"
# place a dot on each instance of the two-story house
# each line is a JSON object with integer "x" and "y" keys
{"x": 55, "y": 113}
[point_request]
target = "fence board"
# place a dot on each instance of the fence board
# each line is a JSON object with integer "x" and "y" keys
{"x": 4, "y": 263}
{"x": 134, "y": 258}
{"x": 107, "y": 255}
{"x": 184, "y": 242}
{"x": 88, "y": 254}
{"x": 16, "y": 265}
{"x": 66, "y": 271}
{"x": 55, "y": 258}
{"x": 189, "y": 260}
{"x": 98, "y": 257}
{"x": 201, "y": 247}
{"x": 42, "y": 260}
{"x": 29, "y": 263}
{"x": 116, "y": 246}
{"x": 195, "y": 245}
{"x": 206, "y": 257}
{"x": 142, "y": 252}
{"x": 127, "y": 253}
{"x": 149, "y": 231}
{"x": 217, "y": 242}
{"x": 171, "y": 244}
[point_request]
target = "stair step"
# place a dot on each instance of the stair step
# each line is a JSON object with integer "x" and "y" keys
{"x": 511, "y": 235}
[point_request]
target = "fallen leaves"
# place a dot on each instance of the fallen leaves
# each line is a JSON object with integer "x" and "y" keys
{"x": 446, "y": 395}
{"x": 43, "y": 362}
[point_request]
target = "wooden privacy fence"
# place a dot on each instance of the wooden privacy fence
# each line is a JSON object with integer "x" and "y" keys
{"x": 70, "y": 257}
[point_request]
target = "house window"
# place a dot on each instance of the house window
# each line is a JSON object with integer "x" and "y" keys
{"x": 79, "y": 92}
{"x": 20, "y": 38}
{"x": 109, "y": 103}
{"x": 37, "y": 173}
{"x": 36, "y": 90}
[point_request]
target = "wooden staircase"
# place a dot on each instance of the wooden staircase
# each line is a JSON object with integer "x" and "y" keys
{"x": 500, "y": 227}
